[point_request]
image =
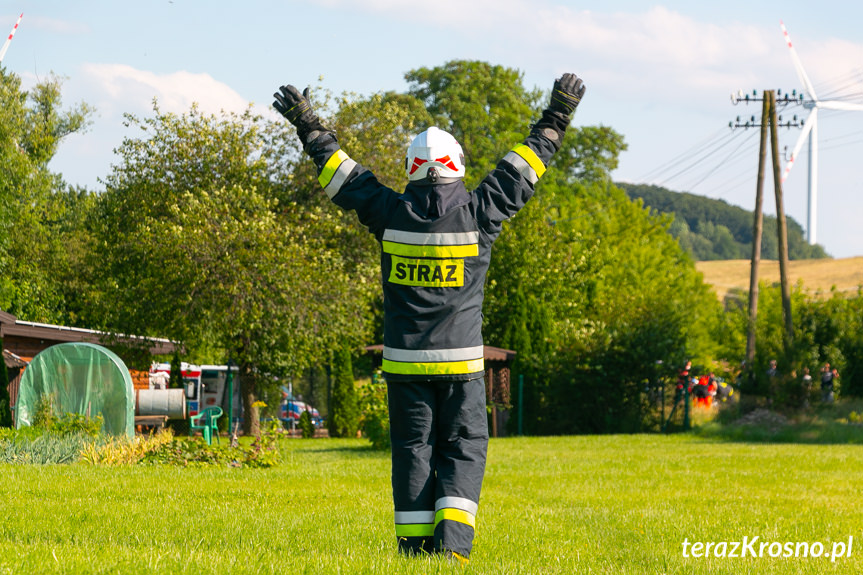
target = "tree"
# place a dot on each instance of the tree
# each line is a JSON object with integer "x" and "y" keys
{"x": 33, "y": 259}
{"x": 175, "y": 376}
{"x": 199, "y": 249}
{"x": 343, "y": 416}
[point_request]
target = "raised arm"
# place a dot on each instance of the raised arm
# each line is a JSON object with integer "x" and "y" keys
{"x": 511, "y": 184}
{"x": 347, "y": 183}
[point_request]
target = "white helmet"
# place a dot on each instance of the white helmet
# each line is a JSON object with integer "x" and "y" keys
{"x": 434, "y": 154}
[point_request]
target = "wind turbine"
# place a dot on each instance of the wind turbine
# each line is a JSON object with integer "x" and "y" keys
{"x": 810, "y": 130}
{"x": 9, "y": 39}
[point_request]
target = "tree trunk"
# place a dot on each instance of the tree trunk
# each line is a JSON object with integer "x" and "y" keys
{"x": 251, "y": 413}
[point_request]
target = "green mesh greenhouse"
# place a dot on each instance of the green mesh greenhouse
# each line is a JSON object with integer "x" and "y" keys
{"x": 82, "y": 378}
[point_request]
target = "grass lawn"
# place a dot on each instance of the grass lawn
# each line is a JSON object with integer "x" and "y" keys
{"x": 594, "y": 504}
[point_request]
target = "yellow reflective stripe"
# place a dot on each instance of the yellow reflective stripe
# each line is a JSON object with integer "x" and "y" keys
{"x": 330, "y": 167}
{"x": 531, "y": 158}
{"x": 441, "y": 368}
{"x": 430, "y": 251}
{"x": 415, "y": 530}
{"x": 455, "y": 515}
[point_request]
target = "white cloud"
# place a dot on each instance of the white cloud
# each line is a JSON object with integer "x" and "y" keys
{"x": 657, "y": 50}
{"x": 122, "y": 88}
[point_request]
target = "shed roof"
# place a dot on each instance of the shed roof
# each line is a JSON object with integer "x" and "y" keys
{"x": 12, "y": 326}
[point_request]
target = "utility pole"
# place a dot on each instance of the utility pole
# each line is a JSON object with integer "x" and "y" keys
{"x": 781, "y": 229}
{"x": 768, "y": 119}
{"x": 757, "y": 228}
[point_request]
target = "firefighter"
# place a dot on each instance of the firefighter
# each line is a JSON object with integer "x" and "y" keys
{"x": 435, "y": 240}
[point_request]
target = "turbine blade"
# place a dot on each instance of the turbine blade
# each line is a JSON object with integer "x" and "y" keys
{"x": 807, "y": 128}
{"x": 840, "y": 105}
{"x": 9, "y": 39}
{"x": 798, "y": 65}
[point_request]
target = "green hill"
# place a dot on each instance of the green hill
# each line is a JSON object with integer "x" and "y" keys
{"x": 715, "y": 230}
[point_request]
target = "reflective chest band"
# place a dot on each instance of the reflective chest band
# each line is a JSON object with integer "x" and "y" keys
{"x": 335, "y": 173}
{"x": 525, "y": 160}
{"x": 459, "y": 361}
{"x": 431, "y": 245}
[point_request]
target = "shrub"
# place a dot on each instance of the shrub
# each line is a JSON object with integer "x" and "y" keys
{"x": 37, "y": 446}
{"x": 307, "y": 427}
{"x": 194, "y": 452}
{"x": 375, "y": 418}
{"x": 342, "y": 420}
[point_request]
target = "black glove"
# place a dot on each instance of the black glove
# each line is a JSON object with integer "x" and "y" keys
{"x": 293, "y": 105}
{"x": 298, "y": 111}
{"x": 566, "y": 94}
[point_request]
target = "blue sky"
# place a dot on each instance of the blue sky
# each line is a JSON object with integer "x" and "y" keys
{"x": 659, "y": 73}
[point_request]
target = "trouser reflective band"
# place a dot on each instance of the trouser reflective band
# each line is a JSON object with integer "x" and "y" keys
{"x": 414, "y": 523}
{"x": 455, "y": 515}
{"x": 458, "y": 361}
{"x": 455, "y": 509}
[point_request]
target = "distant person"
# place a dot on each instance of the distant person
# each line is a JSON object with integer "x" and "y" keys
{"x": 772, "y": 370}
{"x": 828, "y": 377}
{"x": 701, "y": 391}
{"x": 806, "y": 384}
{"x": 724, "y": 391}
{"x": 711, "y": 389}
{"x": 772, "y": 381}
{"x": 682, "y": 381}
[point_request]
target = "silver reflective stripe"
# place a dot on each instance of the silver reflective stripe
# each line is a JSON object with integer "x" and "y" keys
{"x": 433, "y": 355}
{"x": 420, "y": 239}
{"x": 414, "y": 517}
{"x": 339, "y": 177}
{"x": 522, "y": 166}
{"x": 456, "y": 503}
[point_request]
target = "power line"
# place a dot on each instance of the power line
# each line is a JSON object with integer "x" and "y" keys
{"x": 685, "y": 155}
{"x": 724, "y": 161}
{"x": 693, "y": 161}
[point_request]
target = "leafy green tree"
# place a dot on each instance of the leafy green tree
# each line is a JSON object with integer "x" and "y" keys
{"x": 343, "y": 415}
{"x": 198, "y": 248}
{"x": 851, "y": 346}
{"x": 33, "y": 259}
{"x": 175, "y": 377}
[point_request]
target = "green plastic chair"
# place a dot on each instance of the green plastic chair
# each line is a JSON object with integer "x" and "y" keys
{"x": 206, "y": 421}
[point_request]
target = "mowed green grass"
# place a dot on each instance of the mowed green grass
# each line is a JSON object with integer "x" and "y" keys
{"x": 594, "y": 504}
